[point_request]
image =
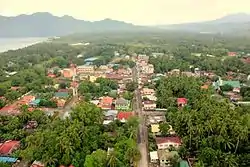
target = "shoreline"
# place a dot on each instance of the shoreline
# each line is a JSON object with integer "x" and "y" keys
{"x": 8, "y": 44}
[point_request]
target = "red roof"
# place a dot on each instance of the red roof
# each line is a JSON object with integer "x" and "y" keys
{"x": 11, "y": 109}
{"x": 231, "y": 53}
{"x": 51, "y": 75}
{"x": 124, "y": 115}
{"x": 160, "y": 140}
{"x": 182, "y": 101}
{"x": 7, "y": 147}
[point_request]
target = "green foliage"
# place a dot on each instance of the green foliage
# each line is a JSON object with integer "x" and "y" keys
{"x": 102, "y": 87}
{"x": 48, "y": 103}
{"x": 131, "y": 86}
{"x": 174, "y": 87}
{"x": 164, "y": 128}
{"x": 96, "y": 159}
{"x": 226, "y": 87}
{"x": 213, "y": 130}
{"x": 81, "y": 140}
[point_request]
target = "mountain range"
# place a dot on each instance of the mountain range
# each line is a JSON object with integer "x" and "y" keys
{"x": 233, "y": 23}
{"x": 45, "y": 24}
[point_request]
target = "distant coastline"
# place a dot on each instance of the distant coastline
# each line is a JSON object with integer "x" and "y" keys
{"x": 7, "y": 44}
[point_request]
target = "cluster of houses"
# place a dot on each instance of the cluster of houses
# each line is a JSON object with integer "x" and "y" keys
{"x": 166, "y": 145}
{"x": 60, "y": 97}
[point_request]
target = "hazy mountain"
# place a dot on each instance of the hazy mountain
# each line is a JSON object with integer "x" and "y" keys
{"x": 231, "y": 23}
{"x": 45, "y": 24}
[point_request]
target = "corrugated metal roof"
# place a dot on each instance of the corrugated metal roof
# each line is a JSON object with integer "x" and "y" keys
{"x": 8, "y": 159}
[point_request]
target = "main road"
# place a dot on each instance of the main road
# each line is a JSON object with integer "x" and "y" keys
{"x": 142, "y": 137}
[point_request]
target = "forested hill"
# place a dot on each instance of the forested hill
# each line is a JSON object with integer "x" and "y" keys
{"x": 45, "y": 24}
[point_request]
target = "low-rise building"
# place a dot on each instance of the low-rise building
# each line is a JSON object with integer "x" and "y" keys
{"x": 122, "y": 104}
{"x": 67, "y": 73}
{"x": 149, "y": 105}
{"x": 155, "y": 129}
{"x": 181, "y": 102}
{"x": 8, "y": 147}
{"x": 166, "y": 156}
{"x": 106, "y": 103}
{"x": 124, "y": 116}
{"x": 154, "y": 157}
{"x": 168, "y": 142}
{"x": 147, "y": 91}
{"x": 148, "y": 69}
{"x": 85, "y": 69}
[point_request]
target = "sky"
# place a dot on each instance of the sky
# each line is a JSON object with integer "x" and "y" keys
{"x": 139, "y": 12}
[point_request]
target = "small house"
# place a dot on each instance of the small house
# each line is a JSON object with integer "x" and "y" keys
{"x": 154, "y": 157}
{"x": 122, "y": 104}
{"x": 149, "y": 105}
{"x": 124, "y": 116}
{"x": 8, "y": 147}
{"x": 165, "y": 157}
{"x": 167, "y": 142}
{"x": 181, "y": 102}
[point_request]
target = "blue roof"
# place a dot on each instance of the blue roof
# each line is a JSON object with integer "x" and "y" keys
{"x": 35, "y": 102}
{"x": 8, "y": 159}
{"x": 91, "y": 59}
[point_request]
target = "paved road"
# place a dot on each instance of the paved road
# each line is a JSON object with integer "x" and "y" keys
{"x": 142, "y": 130}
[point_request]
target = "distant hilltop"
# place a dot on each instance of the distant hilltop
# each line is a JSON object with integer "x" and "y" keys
{"x": 47, "y": 25}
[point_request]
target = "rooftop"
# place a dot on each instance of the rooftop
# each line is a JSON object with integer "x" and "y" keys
{"x": 153, "y": 155}
{"x": 160, "y": 140}
{"x": 7, "y": 147}
{"x": 8, "y": 160}
{"x": 122, "y": 116}
{"x": 182, "y": 100}
{"x": 61, "y": 94}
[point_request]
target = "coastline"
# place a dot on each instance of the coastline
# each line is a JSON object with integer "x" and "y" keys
{"x": 7, "y": 44}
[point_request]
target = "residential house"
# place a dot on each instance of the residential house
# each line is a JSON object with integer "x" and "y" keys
{"x": 155, "y": 129}
{"x": 155, "y": 119}
{"x": 51, "y": 75}
{"x": 10, "y": 109}
{"x": 124, "y": 116}
{"x": 9, "y": 160}
{"x": 67, "y": 73}
{"x": 106, "y": 103}
{"x": 220, "y": 82}
{"x": 85, "y": 69}
{"x": 148, "y": 69}
{"x": 150, "y": 97}
{"x": 122, "y": 104}
{"x": 147, "y": 91}
{"x": 165, "y": 157}
{"x": 110, "y": 116}
{"x": 35, "y": 102}
{"x": 167, "y": 142}
{"x": 114, "y": 76}
{"x": 154, "y": 157}
{"x": 181, "y": 102}
{"x": 60, "y": 103}
{"x": 63, "y": 95}
{"x": 37, "y": 164}
{"x": 25, "y": 100}
{"x": 8, "y": 147}
{"x": 149, "y": 105}
{"x": 232, "y": 54}
{"x": 142, "y": 58}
